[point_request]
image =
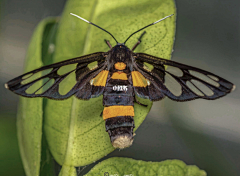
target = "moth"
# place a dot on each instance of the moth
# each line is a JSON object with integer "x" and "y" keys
{"x": 120, "y": 76}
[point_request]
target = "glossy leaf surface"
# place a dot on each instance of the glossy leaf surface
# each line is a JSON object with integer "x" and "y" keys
{"x": 131, "y": 167}
{"x": 30, "y": 111}
{"x": 74, "y": 130}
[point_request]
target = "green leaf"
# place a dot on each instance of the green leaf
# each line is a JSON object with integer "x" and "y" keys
{"x": 74, "y": 130}
{"x": 131, "y": 167}
{"x": 30, "y": 113}
{"x": 68, "y": 171}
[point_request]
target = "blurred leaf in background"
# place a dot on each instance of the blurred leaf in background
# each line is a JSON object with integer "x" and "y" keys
{"x": 10, "y": 161}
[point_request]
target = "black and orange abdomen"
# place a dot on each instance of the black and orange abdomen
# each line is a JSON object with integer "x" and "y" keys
{"x": 118, "y": 101}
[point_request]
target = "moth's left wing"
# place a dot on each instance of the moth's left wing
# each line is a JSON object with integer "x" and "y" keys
{"x": 63, "y": 79}
{"x": 177, "y": 81}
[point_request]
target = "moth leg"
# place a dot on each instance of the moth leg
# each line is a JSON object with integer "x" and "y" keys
{"x": 101, "y": 113}
{"x": 139, "y": 102}
{"x": 108, "y": 43}
{"x": 139, "y": 41}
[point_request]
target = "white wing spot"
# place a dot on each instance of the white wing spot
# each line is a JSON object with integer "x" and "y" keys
{"x": 234, "y": 87}
{"x": 148, "y": 82}
{"x": 91, "y": 81}
{"x": 6, "y": 86}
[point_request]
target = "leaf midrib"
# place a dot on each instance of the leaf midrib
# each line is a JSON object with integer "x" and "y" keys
{"x": 74, "y": 106}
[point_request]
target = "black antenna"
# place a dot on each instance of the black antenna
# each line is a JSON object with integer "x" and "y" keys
{"x": 93, "y": 25}
{"x": 147, "y": 26}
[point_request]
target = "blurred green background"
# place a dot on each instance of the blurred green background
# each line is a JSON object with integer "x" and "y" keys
{"x": 200, "y": 132}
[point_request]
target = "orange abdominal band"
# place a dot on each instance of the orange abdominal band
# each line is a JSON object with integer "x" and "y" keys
{"x": 120, "y": 66}
{"x": 119, "y": 75}
{"x": 114, "y": 111}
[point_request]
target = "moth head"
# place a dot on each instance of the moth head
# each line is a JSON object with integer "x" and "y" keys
{"x": 120, "y": 53}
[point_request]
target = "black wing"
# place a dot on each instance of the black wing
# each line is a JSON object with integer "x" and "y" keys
{"x": 53, "y": 81}
{"x": 178, "y": 81}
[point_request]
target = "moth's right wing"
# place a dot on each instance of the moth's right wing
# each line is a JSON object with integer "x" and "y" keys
{"x": 177, "y": 81}
{"x": 53, "y": 81}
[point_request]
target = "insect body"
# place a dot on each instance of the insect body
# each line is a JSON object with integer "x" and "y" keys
{"x": 120, "y": 76}
{"x": 118, "y": 98}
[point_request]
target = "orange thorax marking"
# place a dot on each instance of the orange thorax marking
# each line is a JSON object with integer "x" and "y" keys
{"x": 114, "y": 111}
{"x": 100, "y": 79}
{"x": 120, "y": 66}
{"x": 119, "y": 75}
{"x": 139, "y": 80}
